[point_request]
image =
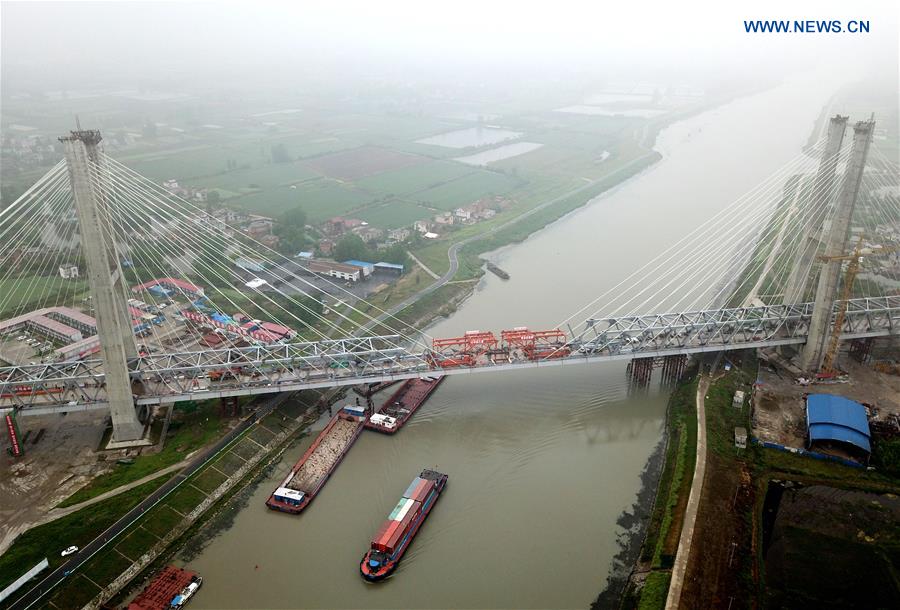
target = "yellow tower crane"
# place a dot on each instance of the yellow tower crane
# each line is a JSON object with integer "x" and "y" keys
{"x": 849, "y": 277}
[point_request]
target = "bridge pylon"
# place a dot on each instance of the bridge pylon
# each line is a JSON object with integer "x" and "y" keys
{"x": 795, "y": 287}
{"x": 836, "y": 245}
{"x": 92, "y": 207}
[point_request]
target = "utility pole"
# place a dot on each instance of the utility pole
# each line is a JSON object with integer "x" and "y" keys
{"x": 795, "y": 288}
{"x": 87, "y": 179}
{"x": 835, "y": 246}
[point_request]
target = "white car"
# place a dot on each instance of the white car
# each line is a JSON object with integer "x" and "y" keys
{"x": 69, "y": 551}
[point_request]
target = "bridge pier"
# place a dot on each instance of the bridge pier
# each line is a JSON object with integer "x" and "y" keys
{"x": 229, "y": 406}
{"x": 861, "y": 349}
{"x": 836, "y": 245}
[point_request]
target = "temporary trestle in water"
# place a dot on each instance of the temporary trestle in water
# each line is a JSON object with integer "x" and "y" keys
{"x": 640, "y": 370}
{"x": 673, "y": 369}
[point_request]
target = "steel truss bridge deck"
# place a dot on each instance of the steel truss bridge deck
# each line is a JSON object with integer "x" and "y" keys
{"x": 165, "y": 378}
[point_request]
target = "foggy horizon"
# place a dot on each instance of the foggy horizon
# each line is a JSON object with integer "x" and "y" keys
{"x": 188, "y": 45}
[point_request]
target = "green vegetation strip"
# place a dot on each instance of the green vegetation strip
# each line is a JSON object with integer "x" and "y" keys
{"x": 78, "y": 529}
{"x": 654, "y": 592}
{"x": 661, "y": 541}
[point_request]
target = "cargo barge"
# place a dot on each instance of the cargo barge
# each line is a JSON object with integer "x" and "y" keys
{"x": 396, "y": 534}
{"x": 312, "y": 470}
{"x": 402, "y": 404}
{"x": 170, "y": 589}
{"x": 503, "y": 275}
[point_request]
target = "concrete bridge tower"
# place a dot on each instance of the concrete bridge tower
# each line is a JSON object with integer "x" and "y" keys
{"x": 836, "y": 245}
{"x": 88, "y": 182}
{"x": 795, "y": 288}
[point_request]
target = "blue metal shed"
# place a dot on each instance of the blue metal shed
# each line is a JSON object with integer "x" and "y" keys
{"x": 389, "y": 267}
{"x": 837, "y": 418}
{"x": 366, "y": 267}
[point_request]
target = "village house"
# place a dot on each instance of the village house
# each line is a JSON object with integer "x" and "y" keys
{"x": 367, "y": 233}
{"x": 398, "y": 234}
{"x": 444, "y": 219}
{"x": 339, "y": 225}
{"x": 259, "y": 226}
{"x": 464, "y": 214}
{"x": 326, "y": 246}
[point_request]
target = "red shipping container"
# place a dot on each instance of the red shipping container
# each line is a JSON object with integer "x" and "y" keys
{"x": 394, "y": 542}
{"x": 422, "y": 490}
{"x": 381, "y": 531}
{"x": 388, "y": 532}
{"x": 399, "y": 532}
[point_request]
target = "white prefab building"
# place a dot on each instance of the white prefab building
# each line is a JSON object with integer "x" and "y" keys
{"x": 68, "y": 272}
{"x": 333, "y": 269}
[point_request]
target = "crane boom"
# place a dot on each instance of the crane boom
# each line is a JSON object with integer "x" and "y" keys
{"x": 828, "y": 364}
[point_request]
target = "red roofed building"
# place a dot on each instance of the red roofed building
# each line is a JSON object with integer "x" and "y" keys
{"x": 340, "y": 225}
{"x": 171, "y": 284}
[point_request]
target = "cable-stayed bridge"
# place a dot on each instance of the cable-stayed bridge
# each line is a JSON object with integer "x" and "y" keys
{"x": 749, "y": 276}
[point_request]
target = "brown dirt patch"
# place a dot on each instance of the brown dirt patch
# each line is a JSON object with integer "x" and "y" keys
{"x": 722, "y": 545}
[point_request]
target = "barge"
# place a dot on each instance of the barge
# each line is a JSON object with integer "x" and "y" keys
{"x": 396, "y": 534}
{"x": 312, "y": 470}
{"x": 503, "y": 275}
{"x": 402, "y": 404}
{"x": 170, "y": 589}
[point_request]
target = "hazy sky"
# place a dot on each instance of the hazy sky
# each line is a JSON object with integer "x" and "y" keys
{"x": 47, "y": 41}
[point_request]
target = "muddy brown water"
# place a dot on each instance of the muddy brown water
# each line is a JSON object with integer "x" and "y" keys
{"x": 542, "y": 463}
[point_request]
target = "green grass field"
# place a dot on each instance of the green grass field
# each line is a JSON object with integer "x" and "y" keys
{"x": 394, "y": 214}
{"x": 205, "y": 161}
{"x": 320, "y": 199}
{"x": 412, "y": 179}
{"x": 247, "y": 180}
{"x": 20, "y": 295}
{"x": 466, "y": 189}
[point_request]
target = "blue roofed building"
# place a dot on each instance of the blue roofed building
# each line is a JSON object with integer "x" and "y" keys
{"x": 835, "y": 421}
{"x": 367, "y": 268}
{"x": 389, "y": 268}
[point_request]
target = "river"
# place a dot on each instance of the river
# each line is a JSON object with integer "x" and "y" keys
{"x": 541, "y": 463}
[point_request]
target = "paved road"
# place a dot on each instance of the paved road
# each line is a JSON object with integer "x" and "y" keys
{"x": 37, "y": 592}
